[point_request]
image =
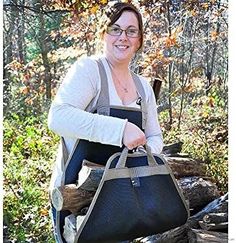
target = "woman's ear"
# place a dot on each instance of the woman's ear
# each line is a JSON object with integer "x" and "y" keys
{"x": 102, "y": 33}
{"x": 139, "y": 45}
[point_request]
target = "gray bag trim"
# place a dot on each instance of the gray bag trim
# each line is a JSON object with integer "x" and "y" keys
{"x": 106, "y": 177}
{"x": 141, "y": 92}
{"x": 65, "y": 154}
{"x": 143, "y": 171}
{"x": 103, "y": 102}
{"x": 124, "y": 154}
{"x": 57, "y": 230}
{"x": 65, "y": 161}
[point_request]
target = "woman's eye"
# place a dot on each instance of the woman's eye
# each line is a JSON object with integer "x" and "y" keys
{"x": 116, "y": 29}
{"x": 132, "y": 31}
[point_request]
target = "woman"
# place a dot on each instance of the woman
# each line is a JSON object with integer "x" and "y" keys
{"x": 77, "y": 114}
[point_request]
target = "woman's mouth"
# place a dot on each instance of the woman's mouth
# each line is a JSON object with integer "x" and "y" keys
{"x": 122, "y": 47}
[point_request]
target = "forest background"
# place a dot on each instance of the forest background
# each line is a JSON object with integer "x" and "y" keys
{"x": 185, "y": 48}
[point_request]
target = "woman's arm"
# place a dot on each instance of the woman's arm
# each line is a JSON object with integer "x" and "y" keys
{"x": 153, "y": 131}
{"x": 67, "y": 116}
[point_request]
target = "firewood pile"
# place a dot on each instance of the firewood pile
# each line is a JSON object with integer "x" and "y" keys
{"x": 208, "y": 220}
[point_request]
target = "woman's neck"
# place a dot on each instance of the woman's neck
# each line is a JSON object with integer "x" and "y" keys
{"x": 119, "y": 67}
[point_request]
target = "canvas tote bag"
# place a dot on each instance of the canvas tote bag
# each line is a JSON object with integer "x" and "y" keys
{"x": 137, "y": 196}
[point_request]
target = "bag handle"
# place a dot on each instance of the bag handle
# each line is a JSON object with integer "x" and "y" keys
{"x": 103, "y": 102}
{"x": 124, "y": 154}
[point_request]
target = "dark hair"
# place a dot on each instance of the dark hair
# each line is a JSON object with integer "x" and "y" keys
{"x": 114, "y": 12}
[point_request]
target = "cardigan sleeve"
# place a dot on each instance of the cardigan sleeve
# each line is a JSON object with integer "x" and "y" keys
{"x": 152, "y": 131}
{"x": 68, "y": 116}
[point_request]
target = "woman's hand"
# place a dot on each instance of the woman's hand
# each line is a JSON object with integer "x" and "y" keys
{"x": 133, "y": 136}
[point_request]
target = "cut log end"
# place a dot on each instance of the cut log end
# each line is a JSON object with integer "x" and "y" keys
{"x": 57, "y": 199}
{"x": 70, "y": 197}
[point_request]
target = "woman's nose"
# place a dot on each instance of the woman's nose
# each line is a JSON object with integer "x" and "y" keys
{"x": 123, "y": 35}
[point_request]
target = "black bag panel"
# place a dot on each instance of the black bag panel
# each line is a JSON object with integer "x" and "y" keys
{"x": 159, "y": 160}
{"x": 115, "y": 211}
{"x": 133, "y": 116}
{"x": 96, "y": 152}
{"x": 136, "y": 161}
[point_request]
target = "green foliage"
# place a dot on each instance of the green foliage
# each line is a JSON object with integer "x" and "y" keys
{"x": 204, "y": 135}
{"x": 29, "y": 152}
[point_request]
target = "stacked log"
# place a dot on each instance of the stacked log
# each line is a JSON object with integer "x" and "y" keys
{"x": 183, "y": 166}
{"x": 214, "y": 221}
{"x": 71, "y": 197}
{"x": 198, "y": 235}
{"x": 75, "y": 197}
{"x": 198, "y": 191}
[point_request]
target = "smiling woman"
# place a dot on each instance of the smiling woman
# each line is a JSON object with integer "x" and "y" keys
{"x": 102, "y": 106}
{"x": 122, "y": 47}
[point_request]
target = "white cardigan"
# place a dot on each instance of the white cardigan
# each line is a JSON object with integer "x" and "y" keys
{"x": 70, "y": 118}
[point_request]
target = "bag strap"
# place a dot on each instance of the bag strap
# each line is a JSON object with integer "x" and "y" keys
{"x": 142, "y": 99}
{"x": 103, "y": 103}
{"x": 124, "y": 154}
{"x": 65, "y": 154}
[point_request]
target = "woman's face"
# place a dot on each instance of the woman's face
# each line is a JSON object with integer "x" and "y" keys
{"x": 122, "y": 48}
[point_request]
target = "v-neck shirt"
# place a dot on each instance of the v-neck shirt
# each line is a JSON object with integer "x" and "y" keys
{"x": 113, "y": 94}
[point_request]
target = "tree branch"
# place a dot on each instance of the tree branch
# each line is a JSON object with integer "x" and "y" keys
{"x": 35, "y": 10}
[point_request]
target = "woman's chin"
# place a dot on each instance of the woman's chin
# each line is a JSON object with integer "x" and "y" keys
{"x": 123, "y": 57}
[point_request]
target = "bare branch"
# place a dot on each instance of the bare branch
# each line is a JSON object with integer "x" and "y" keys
{"x": 33, "y": 9}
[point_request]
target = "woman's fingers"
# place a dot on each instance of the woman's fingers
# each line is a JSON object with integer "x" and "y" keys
{"x": 133, "y": 136}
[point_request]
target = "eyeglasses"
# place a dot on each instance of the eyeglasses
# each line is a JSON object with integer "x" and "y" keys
{"x": 117, "y": 31}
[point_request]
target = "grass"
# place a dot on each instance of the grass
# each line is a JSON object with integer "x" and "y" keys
{"x": 29, "y": 153}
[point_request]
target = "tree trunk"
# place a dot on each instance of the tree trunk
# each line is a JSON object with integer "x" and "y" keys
{"x": 20, "y": 31}
{"x": 207, "y": 56}
{"x": 170, "y": 68}
{"x": 8, "y": 55}
{"x": 211, "y": 66}
{"x": 44, "y": 46}
{"x": 157, "y": 87}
